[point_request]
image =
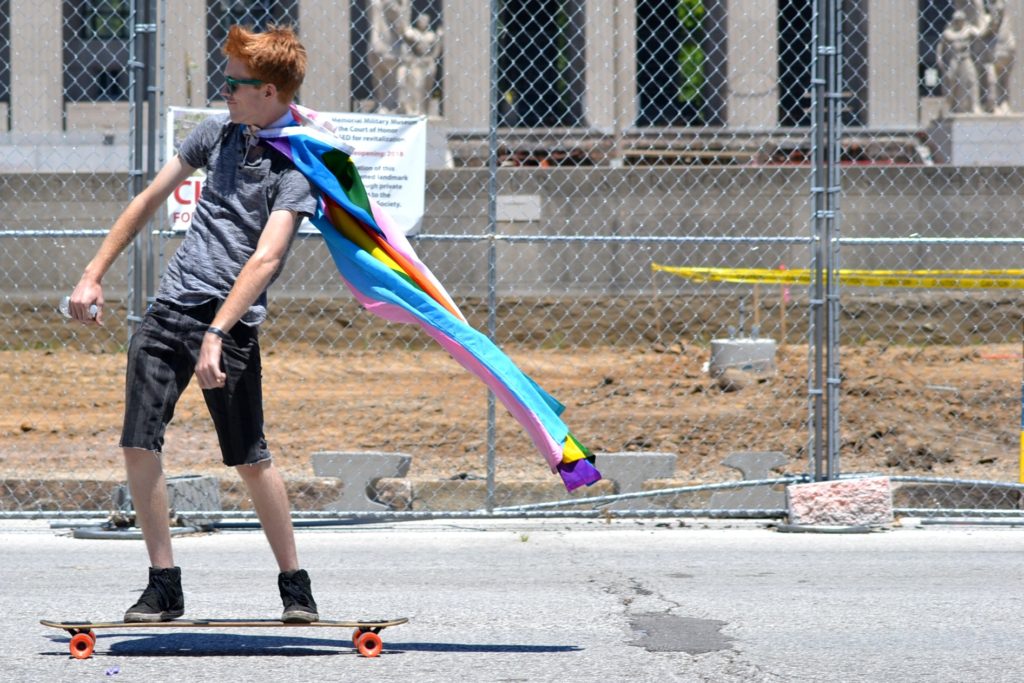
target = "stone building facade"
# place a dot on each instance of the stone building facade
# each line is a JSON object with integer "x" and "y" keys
{"x": 63, "y": 70}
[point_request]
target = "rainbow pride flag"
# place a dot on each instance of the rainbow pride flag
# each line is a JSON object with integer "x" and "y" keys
{"x": 381, "y": 269}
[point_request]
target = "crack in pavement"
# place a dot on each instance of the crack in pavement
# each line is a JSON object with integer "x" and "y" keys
{"x": 654, "y": 618}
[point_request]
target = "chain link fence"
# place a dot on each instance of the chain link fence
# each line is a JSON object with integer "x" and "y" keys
{"x": 734, "y": 245}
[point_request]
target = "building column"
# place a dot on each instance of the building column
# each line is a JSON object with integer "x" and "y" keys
{"x": 324, "y": 28}
{"x": 601, "y": 51}
{"x": 1015, "y": 15}
{"x": 185, "y": 55}
{"x": 37, "y": 66}
{"x": 465, "y": 84}
{"x": 892, "y": 65}
{"x": 752, "y": 64}
{"x": 609, "y": 101}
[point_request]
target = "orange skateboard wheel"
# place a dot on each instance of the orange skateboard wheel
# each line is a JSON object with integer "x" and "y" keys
{"x": 369, "y": 644}
{"x": 81, "y": 645}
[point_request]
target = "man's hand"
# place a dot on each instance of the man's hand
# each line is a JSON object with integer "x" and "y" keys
{"x": 86, "y": 295}
{"x": 133, "y": 219}
{"x": 208, "y": 368}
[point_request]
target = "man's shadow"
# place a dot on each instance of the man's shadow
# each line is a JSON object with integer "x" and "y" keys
{"x": 185, "y": 644}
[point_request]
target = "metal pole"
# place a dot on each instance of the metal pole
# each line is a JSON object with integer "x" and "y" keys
{"x": 816, "y": 322}
{"x": 826, "y": 133}
{"x": 153, "y": 106}
{"x": 161, "y": 139}
{"x": 137, "y": 96}
{"x": 835, "y": 124}
{"x": 492, "y": 230}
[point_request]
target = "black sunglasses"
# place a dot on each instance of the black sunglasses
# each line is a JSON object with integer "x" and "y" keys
{"x": 233, "y": 83}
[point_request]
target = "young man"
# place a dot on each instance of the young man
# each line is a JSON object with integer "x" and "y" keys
{"x": 209, "y": 305}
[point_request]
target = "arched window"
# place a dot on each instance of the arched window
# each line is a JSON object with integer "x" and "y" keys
{"x": 671, "y": 62}
{"x": 933, "y": 17}
{"x": 541, "y": 63}
{"x": 796, "y": 35}
{"x": 95, "y": 50}
{"x": 253, "y": 14}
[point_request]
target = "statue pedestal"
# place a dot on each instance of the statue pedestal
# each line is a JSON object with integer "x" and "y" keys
{"x": 438, "y": 154}
{"x": 978, "y": 139}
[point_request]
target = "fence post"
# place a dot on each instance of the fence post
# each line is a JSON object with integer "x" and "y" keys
{"x": 826, "y": 123}
{"x": 492, "y": 231}
{"x": 142, "y": 91}
{"x": 834, "y": 99}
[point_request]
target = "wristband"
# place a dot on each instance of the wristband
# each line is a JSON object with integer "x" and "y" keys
{"x": 217, "y": 332}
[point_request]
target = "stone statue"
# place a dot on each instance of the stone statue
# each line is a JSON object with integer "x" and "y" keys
{"x": 976, "y": 54}
{"x": 420, "y": 56}
{"x": 974, "y": 9}
{"x": 955, "y": 53}
{"x": 996, "y": 54}
{"x": 389, "y": 19}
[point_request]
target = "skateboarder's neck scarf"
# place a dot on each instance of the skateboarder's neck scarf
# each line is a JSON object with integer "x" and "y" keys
{"x": 381, "y": 269}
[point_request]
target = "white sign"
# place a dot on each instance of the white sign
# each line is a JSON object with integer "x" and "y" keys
{"x": 389, "y": 151}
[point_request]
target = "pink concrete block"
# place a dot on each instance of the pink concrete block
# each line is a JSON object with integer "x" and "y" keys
{"x": 847, "y": 502}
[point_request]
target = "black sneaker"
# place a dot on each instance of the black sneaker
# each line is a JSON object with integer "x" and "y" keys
{"x": 297, "y": 596}
{"x": 162, "y": 600}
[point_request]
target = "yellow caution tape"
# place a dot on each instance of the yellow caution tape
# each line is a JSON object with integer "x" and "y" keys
{"x": 930, "y": 279}
{"x": 1020, "y": 460}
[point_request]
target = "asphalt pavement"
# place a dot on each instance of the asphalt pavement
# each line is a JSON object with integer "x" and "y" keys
{"x": 528, "y": 600}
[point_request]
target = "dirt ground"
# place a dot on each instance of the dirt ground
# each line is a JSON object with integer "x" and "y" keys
{"x": 932, "y": 399}
{"x": 934, "y": 410}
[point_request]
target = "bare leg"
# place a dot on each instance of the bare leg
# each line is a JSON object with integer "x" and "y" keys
{"x": 272, "y": 507}
{"x": 149, "y": 495}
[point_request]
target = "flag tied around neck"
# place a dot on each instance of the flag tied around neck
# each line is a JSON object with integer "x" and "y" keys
{"x": 381, "y": 269}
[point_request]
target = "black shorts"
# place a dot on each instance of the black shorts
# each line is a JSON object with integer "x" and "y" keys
{"x": 162, "y": 357}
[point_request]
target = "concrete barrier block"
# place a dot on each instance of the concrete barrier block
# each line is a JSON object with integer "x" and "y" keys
{"x": 846, "y": 502}
{"x": 360, "y": 471}
{"x": 753, "y": 465}
{"x": 629, "y": 471}
{"x": 185, "y": 493}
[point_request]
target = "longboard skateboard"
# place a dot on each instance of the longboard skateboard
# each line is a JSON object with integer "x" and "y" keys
{"x": 366, "y": 636}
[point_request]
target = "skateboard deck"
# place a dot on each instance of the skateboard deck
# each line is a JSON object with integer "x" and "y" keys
{"x": 365, "y": 637}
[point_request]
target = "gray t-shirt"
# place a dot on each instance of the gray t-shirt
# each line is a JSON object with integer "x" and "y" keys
{"x": 245, "y": 182}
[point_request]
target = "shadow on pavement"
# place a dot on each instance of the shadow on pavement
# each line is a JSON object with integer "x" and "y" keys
{"x": 185, "y": 644}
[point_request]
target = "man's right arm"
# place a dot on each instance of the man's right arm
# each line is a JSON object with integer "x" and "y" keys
{"x": 134, "y": 218}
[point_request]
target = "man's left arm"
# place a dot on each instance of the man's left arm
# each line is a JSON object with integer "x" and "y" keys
{"x": 251, "y": 282}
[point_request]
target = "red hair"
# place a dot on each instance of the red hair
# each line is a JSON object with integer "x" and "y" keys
{"x": 274, "y": 56}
